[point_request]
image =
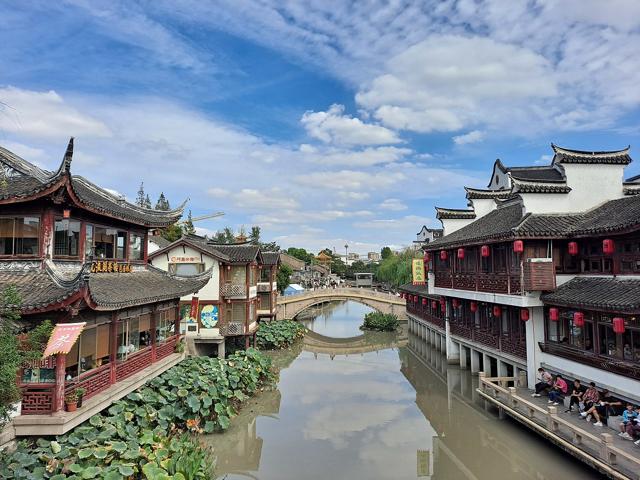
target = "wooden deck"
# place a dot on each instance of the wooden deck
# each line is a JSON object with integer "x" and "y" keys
{"x": 599, "y": 447}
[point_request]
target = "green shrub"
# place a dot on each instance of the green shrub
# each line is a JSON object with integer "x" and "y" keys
{"x": 278, "y": 334}
{"x": 149, "y": 433}
{"x": 380, "y": 322}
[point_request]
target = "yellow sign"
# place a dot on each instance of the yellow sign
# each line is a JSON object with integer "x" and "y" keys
{"x": 105, "y": 266}
{"x": 417, "y": 268}
{"x": 424, "y": 469}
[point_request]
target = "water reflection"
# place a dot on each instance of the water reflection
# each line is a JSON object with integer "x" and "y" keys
{"x": 394, "y": 411}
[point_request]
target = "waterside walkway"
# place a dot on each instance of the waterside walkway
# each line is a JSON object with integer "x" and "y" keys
{"x": 599, "y": 447}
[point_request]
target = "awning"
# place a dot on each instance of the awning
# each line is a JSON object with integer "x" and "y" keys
{"x": 63, "y": 337}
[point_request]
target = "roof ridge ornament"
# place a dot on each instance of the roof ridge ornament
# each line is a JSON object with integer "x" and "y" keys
{"x": 68, "y": 156}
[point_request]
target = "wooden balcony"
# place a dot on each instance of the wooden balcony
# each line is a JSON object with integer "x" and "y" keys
{"x": 509, "y": 284}
{"x": 423, "y": 315}
{"x": 613, "y": 365}
{"x": 503, "y": 343}
{"x": 233, "y": 290}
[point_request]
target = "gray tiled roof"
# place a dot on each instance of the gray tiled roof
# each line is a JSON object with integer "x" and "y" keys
{"x": 41, "y": 288}
{"x": 566, "y": 155}
{"x": 609, "y": 294}
{"x": 496, "y": 224}
{"x": 238, "y": 253}
{"x": 478, "y": 193}
{"x": 21, "y": 179}
{"x": 111, "y": 291}
{"x": 449, "y": 213}
{"x": 537, "y": 174}
{"x": 270, "y": 258}
{"x": 526, "y": 186}
{"x": 159, "y": 240}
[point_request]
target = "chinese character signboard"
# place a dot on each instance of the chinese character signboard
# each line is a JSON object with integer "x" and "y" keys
{"x": 62, "y": 338}
{"x": 417, "y": 267}
{"x": 104, "y": 266}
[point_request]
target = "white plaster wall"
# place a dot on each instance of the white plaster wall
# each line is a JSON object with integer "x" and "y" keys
{"x": 483, "y": 206}
{"x": 591, "y": 185}
{"x": 535, "y": 334}
{"x": 452, "y": 224}
{"x": 211, "y": 292}
{"x": 499, "y": 181}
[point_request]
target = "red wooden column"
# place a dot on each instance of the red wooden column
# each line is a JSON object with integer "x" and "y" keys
{"x": 58, "y": 395}
{"x": 113, "y": 347}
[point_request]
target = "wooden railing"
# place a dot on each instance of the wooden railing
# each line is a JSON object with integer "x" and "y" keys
{"x": 423, "y": 315}
{"x": 167, "y": 347}
{"x": 133, "y": 364}
{"x": 490, "y": 339}
{"x": 93, "y": 381}
{"x": 37, "y": 398}
{"x": 591, "y": 448}
{"x": 480, "y": 282}
{"x": 233, "y": 290}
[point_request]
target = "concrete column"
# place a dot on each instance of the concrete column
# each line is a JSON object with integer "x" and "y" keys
{"x": 475, "y": 361}
{"x": 486, "y": 364}
{"x": 443, "y": 343}
{"x": 463, "y": 356}
{"x": 221, "y": 352}
{"x": 453, "y": 352}
{"x": 502, "y": 368}
{"x": 535, "y": 334}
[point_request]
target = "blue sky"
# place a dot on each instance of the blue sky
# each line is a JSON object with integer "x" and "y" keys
{"x": 323, "y": 122}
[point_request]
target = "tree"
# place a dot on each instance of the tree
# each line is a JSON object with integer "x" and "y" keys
{"x": 172, "y": 232}
{"x": 283, "y": 277}
{"x": 188, "y": 227}
{"x": 300, "y": 254}
{"x": 385, "y": 253}
{"x": 13, "y": 352}
{"x": 254, "y": 236}
{"x": 147, "y": 202}
{"x": 140, "y": 198}
{"x": 163, "y": 203}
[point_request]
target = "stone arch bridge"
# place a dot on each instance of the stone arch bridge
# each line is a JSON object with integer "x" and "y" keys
{"x": 290, "y": 306}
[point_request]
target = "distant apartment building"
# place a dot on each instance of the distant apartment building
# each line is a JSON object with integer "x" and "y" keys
{"x": 373, "y": 256}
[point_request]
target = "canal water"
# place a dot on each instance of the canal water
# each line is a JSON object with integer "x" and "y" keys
{"x": 357, "y": 406}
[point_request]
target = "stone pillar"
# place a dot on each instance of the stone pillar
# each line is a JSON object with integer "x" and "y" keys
{"x": 221, "y": 347}
{"x": 463, "y": 356}
{"x": 535, "y": 334}
{"x": 502, "y": 368}
{"x": 443, "y": 343}
{"x": 486, "y": 364}
{"x": 475, "y": 361}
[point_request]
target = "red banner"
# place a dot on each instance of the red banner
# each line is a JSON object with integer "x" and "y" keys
{"x": 63, "y": 337}
{"x": 194, "y": 308}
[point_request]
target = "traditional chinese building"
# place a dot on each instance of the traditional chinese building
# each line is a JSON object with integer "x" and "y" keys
{"x": 77, "y": 255}
{"x": 241, "y": 290}
{"x": 542, "y": 269}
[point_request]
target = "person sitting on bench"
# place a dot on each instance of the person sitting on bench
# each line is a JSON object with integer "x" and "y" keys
{"x": 545, "y": 382}
{"x": 558, "y": 391}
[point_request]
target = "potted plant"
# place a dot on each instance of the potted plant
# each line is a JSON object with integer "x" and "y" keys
{"x": 80, "y": 393}
{"x": 71, "y": 401}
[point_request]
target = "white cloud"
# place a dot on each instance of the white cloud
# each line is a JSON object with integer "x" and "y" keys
{"x": 360, "y": 158}
{"x": 352, "y": 180}
{"x": 250, "y": 199}
{"x": 333, "y": 126}
{"x": 45, "y": 115}
{"x": 448, "y": 82}
{"x": 218, "y": 192}
{"x": 473, "y": 136}
{"x": 407, "y": 223}
{"x": 392, "y": 204}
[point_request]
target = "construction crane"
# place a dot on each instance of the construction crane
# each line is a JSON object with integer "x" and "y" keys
{"x": 202, "y": 217}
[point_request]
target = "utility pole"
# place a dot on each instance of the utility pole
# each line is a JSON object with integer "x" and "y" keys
{"x": 346, "y": 254}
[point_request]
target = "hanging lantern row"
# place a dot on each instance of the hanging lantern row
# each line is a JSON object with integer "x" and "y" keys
{"x": 608, "y": 246}
{"x": 578, "y": 319}
{"x": 424, "y": 301}
{"x": 461, "y": 253}
{"x": 485, "y": 251}
{"x": 573, "y": 248}
{"x": 497, "y": 311}
{"x": 474, "y": 306}
{"x": 518, "y": 246}
{"x": 443, "y": 255}
{"x": 524, "y": 314}
{"x": 554, "y": 314}
{"x": 618, "y": 325}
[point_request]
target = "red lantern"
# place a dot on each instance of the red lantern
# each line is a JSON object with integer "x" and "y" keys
{"x": 474, "y": 306}
{"x": 496, "y": 311}
{"x": 455, "y": 303}
{"x": 485, "y": 251}
{"x": 66, "y": 213}
{"x": 578, "y": 319}
{"x": 518, "y": 246}
{"x": 608, "y": 247}
{"x": 443, "y": 307}
{"x": 618, "y": 325}
{"x": 415, "y": 298}
{"x": 443, "y": 255}
{"x": 524, "y": 314}
{"x": 424, "y": 301}
{"x": 427, "y": 257}
{"x": 434, "y": 304}
{"x": 461, "y": 253}
{"x": 554, "y": 314}
{"x": 573, "y": 248}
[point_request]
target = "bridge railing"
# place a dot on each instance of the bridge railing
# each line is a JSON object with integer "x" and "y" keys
{"x": 341, "y": 291}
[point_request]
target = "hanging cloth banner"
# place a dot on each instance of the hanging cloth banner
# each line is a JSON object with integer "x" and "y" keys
{"x": 195, "y": 303}
{"x": 63, "y": 337}
{"x": 417, "y": 268}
